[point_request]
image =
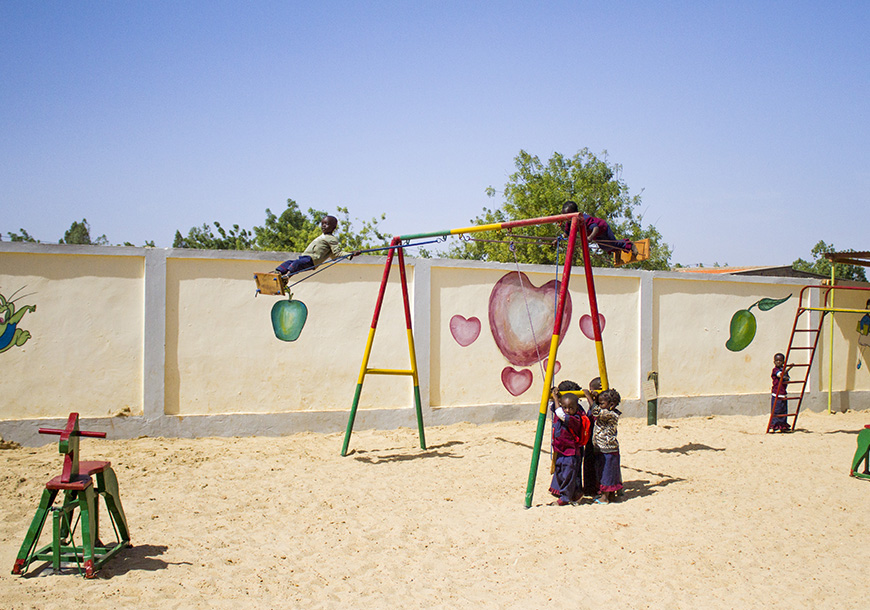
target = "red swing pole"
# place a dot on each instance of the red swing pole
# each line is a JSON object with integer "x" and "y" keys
{"x": 593, "y": 310}
{"x": 412, "y": 353}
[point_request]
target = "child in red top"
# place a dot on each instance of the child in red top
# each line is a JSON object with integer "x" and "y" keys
{"x": 598, "y": 231}
{"x": 570, "y": 434}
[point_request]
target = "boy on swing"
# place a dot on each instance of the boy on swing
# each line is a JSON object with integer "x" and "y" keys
{"x": 324, "y": 247}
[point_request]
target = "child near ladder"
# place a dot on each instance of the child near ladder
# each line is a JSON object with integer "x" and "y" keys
{"x": 604, "y": 436}
{"x": 570, "y": 433}
{"x": 779, "y": 393}
{"x": 322, "y": 248}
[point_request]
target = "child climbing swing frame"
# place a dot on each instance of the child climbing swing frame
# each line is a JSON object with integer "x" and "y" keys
{"x": 397, "y": 251}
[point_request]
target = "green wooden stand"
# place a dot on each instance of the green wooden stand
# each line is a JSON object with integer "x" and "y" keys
{"x": 79, "y": 510}
{"x": 862, "y": 454}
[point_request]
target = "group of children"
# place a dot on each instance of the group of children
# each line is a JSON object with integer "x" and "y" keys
{"x": 585, "y": 445}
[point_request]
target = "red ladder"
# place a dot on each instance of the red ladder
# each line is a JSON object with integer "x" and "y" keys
{"x": 804, "y": 353}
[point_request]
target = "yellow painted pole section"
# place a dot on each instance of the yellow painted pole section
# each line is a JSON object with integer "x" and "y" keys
{"x": 477, "y": 229}
{"x": 366, "y": 354}
{"x": 602, "y": 368}
{"x": 413, "y": 351}
{"x": 835, "y": 309}
{"x": 831, "y": 349}
{"x": 548, "y": 378}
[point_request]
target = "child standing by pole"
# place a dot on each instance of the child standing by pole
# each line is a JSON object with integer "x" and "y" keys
{"x": 570, "y": 433}
{"x": 604, "y": 436}
{"x": 779, "y": 394}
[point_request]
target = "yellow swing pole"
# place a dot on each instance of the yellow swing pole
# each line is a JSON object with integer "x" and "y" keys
{"x": 831, "y": 338}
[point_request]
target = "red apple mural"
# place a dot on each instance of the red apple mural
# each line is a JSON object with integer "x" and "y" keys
{"x": 522, "y": 316}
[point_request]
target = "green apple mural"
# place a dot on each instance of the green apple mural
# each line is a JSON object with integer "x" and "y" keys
{"x": 288, "y": 318}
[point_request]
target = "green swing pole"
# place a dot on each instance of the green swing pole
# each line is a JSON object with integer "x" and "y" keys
{"x": 551, "y": 362}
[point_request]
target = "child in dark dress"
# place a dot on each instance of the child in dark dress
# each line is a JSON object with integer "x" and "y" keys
{"x": 779, "y": 393}
{"x": 590, "y": 454}
{"x": 604, "y": 437}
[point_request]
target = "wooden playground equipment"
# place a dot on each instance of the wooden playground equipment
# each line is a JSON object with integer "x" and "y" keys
{"x": 396, "y": 251}
{"x": 79, "y": 509}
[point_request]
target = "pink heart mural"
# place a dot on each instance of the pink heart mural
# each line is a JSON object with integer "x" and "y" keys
{"x": 556, "y": 367}
{"x": 464, "y": 331}
{"x": 512, "y": 302}
{"x": 516, "y": 382}
{"x": 586, "y": 325}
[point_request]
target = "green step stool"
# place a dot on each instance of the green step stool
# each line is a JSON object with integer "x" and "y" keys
{"x": 79, "y": 509}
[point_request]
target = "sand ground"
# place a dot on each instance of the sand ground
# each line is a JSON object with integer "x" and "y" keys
{"x": 716, "y": 514}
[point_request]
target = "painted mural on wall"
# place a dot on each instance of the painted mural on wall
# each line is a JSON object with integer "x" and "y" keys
{"x": 744, "y": 325}
{"x": 587, "y": 328}
{"x": 521, "y": 320}
{"x": 864, "y": 327}
{"x": 10, "y": 335}
{"x": 288, "y": 319}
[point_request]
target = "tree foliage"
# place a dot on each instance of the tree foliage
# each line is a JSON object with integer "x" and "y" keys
{"x": 536, "y": 190}
{"x": 292, "y": 231}
{"x": 822, "y": 266}
{"x": 24, "y": 236}
{"x": 204, "y": 238}
{"x": 80, "y": 233}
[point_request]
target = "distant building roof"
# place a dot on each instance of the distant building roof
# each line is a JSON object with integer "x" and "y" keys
{"x": 779, "y": 271}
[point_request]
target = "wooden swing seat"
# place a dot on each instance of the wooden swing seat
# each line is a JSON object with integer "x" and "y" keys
{"x": 621, "y": 258}
{"x": 269, "y": 283}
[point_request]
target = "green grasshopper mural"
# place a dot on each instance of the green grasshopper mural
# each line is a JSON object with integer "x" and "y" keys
{"x": 10, "y": 335}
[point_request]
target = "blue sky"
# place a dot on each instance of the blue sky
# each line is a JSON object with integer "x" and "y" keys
{"x": 743, "y": 125}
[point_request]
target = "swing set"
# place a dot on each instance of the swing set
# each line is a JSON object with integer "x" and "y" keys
{"x": 396, "y": 252}
{"x": 274, "y": 284}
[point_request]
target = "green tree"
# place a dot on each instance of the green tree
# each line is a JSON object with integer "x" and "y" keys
{"x": 822, "y": 266}
{"x": 293, "y": 230}
{"x": 204, "y": 238}
{"x": 25, "y": 236}
{"x": 80, "y": 233}
{"x": 535, "y": 190}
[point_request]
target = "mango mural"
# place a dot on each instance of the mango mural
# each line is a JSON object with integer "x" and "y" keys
{"x": 744, "y": 325}
{"x": 10, "y": 335}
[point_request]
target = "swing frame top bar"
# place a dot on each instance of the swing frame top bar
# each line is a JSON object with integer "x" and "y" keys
{"x": 498, "y": 226}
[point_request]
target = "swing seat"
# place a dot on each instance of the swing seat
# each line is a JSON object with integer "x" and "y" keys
{"x": 270, "y": 283}
{"x": 621, "y": 258}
